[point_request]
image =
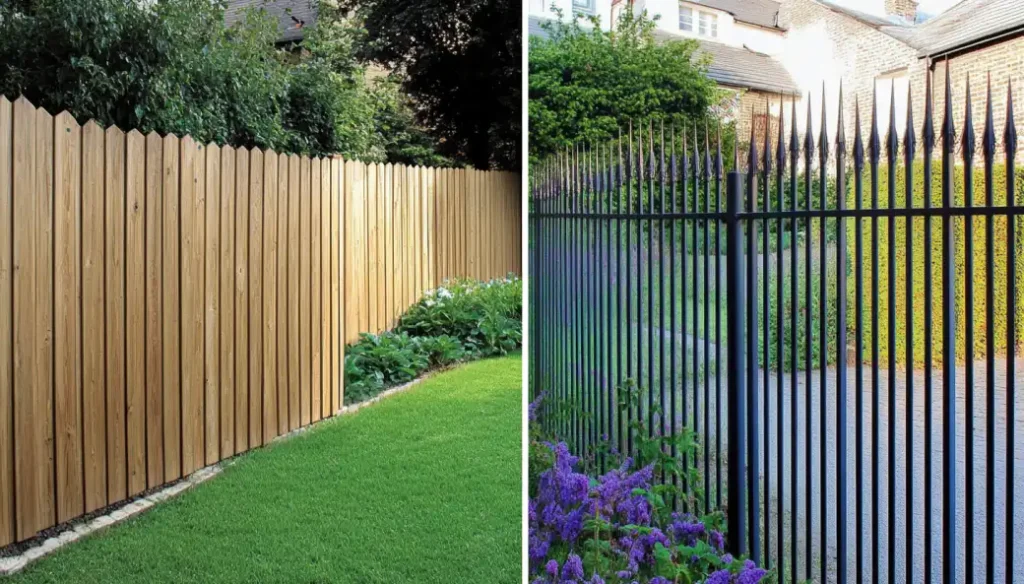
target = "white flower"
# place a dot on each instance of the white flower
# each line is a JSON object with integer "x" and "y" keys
{"x": 429, "y": 303}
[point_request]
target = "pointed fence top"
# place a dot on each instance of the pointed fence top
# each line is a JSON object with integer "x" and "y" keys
{"x": 988, "y": 136}
{"x": 794, "y": 138}
{"x": 909, "y": 139}
{"x": 809, "y": 136}
{"x": 752, "y": 161}
{"x": 823, "y": 149}
{"x": 968, "y": 142}
{"x": 780, "y": 148}
{"x": 1010, "y": 133}
{"x": 892, "y": 141}
{"x": 948, "y": 131}
{"x": 841, "y": 126}
{"x": 767, "y": 152}
{"x": 858, "y": 142}
{"x": 928, "y": 132}
{"x": 874, "y": 143}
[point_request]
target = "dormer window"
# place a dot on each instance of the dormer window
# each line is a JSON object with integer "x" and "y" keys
{"x": 706, "y": 22}
{"x": 584, "y": 6}
{"x": 686, "y": 18}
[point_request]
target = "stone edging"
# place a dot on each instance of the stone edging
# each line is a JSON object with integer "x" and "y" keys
{"x": 13, "y": 564}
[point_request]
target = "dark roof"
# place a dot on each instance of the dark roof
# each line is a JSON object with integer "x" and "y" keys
{"x": 968, "y": 22}
{"x": 293, "y": 16}
{"x": 893, "y": 26}
{"x": 741, "y": 67}
{"x": 760, "y": 12}
{"x": 732, "y": 66}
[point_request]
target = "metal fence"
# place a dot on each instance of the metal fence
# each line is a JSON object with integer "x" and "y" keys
{"x": 815, "y": 322}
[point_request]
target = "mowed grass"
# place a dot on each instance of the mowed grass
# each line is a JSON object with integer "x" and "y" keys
{"x": 422, "y": 487}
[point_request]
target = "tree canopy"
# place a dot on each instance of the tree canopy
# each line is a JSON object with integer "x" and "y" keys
{"x": 586, "y": 83}
{"x": 172, "y": 66}
{"x": 460, "y": 63}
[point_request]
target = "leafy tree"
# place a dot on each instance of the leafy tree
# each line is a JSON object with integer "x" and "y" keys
{"x": 586, "y": 83}
{"x": 460, "y": 63}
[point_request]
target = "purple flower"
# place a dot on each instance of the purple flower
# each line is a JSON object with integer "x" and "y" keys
{"x": 686, "y": 531}
{"x": 750, "y": 574}
{"x": 719, "y": 577}
{"x": 717, "y": 540}
{"x": 573, "y": 568}
{"x": 552, "y": 568}
{"x": 595, "y": 579}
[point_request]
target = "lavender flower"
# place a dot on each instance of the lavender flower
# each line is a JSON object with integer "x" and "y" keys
{"x": 573, "y": 568}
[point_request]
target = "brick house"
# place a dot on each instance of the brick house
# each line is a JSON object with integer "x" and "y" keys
{"x": 974, "y": 38}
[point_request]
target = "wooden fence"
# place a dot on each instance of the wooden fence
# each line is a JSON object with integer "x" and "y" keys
{"x": 165, "y": 305}
{"x": 411, "y": 228}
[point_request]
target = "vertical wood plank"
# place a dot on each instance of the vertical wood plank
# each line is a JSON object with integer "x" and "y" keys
{"x": 430, "y": 241}
{"x": 283, "y": 375}
{"x": 44, "y": 312}
{"x": 315, "y": 321}
{"x": 304, "y": 298}
{"x": 117, "y": 461}
{"x": 270, "y": 383}
{"x": 7, "y": 486}
{"x": 172, "y": 308}
{"x": 154, "y": 311}
{"x": 255, "y": 306}
{"x": 242, "y": 300}
{"x": 337, "y": 283}
{"x": 372, "y": 250}
{"x": 193, "y": 296}
{"x": 324, "y": 204}
{"x": 212, "y": 292}
{"x": 135, "y": 310}
{"x": 398, "y": 230}
{"x": 93, "y": 371}
{"x": 228, "y": 156}
{"x": 294, "y": 362}
{"x": 381, "y": 323}
{"x": 354, "y": 251}
{"x": 389, "y": 246}
{"x": 68, "y": 331}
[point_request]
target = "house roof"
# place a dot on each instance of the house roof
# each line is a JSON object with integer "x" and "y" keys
{"x": 741, "y": 67}
{"x": 758, "y": 12}
{"x": 293, "y": 16}
{"x": 968, "y": 22}
{"x": 893, "y": 26}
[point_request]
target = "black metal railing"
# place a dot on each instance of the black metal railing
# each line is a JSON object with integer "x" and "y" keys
{"x": 629, "y": 240}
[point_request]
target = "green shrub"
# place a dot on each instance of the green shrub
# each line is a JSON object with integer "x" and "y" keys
{"x": 461, "y": 320}
{"x": 878, "y": 299}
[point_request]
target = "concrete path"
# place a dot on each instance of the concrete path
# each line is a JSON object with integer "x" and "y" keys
{"x": 899, "y": 515}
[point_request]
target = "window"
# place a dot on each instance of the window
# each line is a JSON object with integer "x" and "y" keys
{"x": 685, "y": 18}
{"x": 708, "y": 24}
{"x": 583, "y": 6}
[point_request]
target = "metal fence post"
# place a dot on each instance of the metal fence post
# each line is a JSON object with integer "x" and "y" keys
{"x": 736, "y": 359}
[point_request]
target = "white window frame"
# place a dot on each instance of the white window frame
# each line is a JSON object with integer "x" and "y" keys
{"x": 707, "y": 24}
{"x": 584, "y": 6}
{"x": 690, "y": 12}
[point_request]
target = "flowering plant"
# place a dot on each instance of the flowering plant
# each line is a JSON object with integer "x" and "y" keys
{"x": 622, "y": 525}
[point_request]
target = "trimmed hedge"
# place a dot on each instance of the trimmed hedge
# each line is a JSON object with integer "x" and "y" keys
{"x": 878, "y": 300}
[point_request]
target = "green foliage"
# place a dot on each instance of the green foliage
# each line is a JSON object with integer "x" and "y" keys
{"x": 173, "y": 67}
{"x": 459, "y": 321}
{"x": 460, "y": 62}
{"x": 404, "y": 141}
{"x": 587, "y": 83}
{"x": 878, "y": 300}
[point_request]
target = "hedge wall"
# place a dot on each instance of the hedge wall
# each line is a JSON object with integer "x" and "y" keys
{"x": 878, "y": 300}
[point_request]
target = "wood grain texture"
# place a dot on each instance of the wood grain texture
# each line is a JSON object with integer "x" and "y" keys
{"x": 271, "y": 407}
{"x": 193, "y": 298}
{"x": 68, "y": 306}
{"x": 294, "y": 362}
{"x": 315, "y": 297}
{"x": 114, "y": 294}
{"x": 303, "y": 242}
{"x": 172, "y": 308}
{"x": 154, "y": 312}
{"x": 212, "y": 296}
{"x": 135, "y": 310}
{"x": 255, "y": 305}
{"x": 241, "y": 300}
{"x": 283, "y": 375}
{"x": 228, "y": 157}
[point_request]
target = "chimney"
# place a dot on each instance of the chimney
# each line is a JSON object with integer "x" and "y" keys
{"x": 905, "y": 9}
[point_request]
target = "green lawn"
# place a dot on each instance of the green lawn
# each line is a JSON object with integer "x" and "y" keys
{"x": 422, "y": 487}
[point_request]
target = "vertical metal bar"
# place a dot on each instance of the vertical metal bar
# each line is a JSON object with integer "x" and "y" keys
{"x": 989, "y": 150}
{"x": 892, "y": 148}
{"x": 928, "y": 134}
{"x": 685, "y": 253}
{"x": 661, "y": 283}
{"x": 949, "y": 544}
{"x": 841, "y": 523}
{"x": 737, "y": 441}
{"x": 876, "y": 152}
{"x": 628, "y": 321}
{"x": 754, "y": 478}
{"x": 780, "y": 414}
{"x": 809, "y": 370}
{"x": 1010, "y": 147}
{"x": 858, "y": 188}
{"x": 967, "y": 149}
{"x": 823, "y": 343}
{"x": 640, "y": 271}
{"x": 620, "y": 323}
{"x": 651, "y": 422}
{"x": 765, "y": 319}
{"x": 794, "y": 417}
{"x": 708, "y": 172}
{"x": 718, "y": 319}
{"x": 674, "y": 410}
{"x": 696, "y": 293}
{"x": 909, "y": 146}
